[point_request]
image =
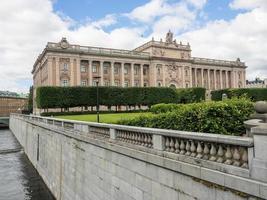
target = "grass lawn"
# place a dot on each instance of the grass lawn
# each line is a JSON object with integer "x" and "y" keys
{"x": 110, "y": 118}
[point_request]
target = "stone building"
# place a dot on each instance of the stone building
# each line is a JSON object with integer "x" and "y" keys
{"x": 257, "y": 83}
{"x": 12, "y": 105}
{"x": 155, "y": 63}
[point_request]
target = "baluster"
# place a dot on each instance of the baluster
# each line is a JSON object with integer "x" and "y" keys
{"x": 220, "y": 154}
{"x": 212, "y": 152}
{"x": 176, "y": 146}
{"x": 228, "y": 156}
{"x": 145, "y": 140}
{"x": 199, "y": 150}
{"x": 150, "y": 141}
{"x": 187, "y": 148}
{"x": 139, "y": 139}
{"x": 193, "y": 149}
{"x": 132, "y": 138}
{"x": 245, "y": 158}
{"x": 236, "y": 157}
{"x": 135, "y": 138}
{"x": 167, "y": 144}
{"x": 142, "y": 139}
{"x": 171, "y": 145}
{"x": 182, "y": 147}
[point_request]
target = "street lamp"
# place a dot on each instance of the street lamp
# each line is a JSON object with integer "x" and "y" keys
{"x": 97, "y": 96}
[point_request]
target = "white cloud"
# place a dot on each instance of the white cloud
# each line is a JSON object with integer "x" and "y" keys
{"x": 248, "y": 4}
{"x": 106, "y": 21}
{"x": 197, "y": 3}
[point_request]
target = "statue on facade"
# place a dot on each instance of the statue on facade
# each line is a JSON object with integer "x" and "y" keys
{"x": 169, "y": 37}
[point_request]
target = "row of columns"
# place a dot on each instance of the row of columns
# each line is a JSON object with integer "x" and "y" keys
{"x": 214, "y": 74}
{"x": 111, "y": 74}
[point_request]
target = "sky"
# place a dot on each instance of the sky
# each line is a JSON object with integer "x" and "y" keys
{"x": 220, "y": 29}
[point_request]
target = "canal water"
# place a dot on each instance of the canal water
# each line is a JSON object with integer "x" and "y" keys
{"x": 18, "y": 178}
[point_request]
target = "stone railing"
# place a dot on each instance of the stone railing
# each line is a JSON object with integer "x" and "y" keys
{"x": 210, "y": 150}
{"x": 217, "y": 62}
{"x": 99, "y": 50}
{"x": 161, "y": 44}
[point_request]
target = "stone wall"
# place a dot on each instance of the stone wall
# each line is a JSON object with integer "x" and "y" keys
{"x": 75, "y": 166}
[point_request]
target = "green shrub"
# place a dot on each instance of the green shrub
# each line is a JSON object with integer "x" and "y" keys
{"x": 225, "y": 117}
{"x": 163, "y": 107}
{"x": 255, "y": 94}
{"x": 68, "y": 97}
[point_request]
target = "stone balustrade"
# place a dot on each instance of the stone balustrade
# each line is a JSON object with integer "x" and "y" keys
{"x": 232, "y": 163}
{"x": 215, "y": 148}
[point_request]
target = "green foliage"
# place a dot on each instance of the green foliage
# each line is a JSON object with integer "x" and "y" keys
{"x": 224, "y": 117}
{"x": 163, "y": 107}
{"x": 67, "y": 97}
{"x": 255, "y": 94}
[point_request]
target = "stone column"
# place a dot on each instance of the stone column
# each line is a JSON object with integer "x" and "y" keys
{"x": 132, "y": 74}
{"x": 215, "y": 79}
{"x": 141, "y": 76}
{"x": 195, "y": 74}
{"x": 72, "y": 72}
{"x": 112, "y": 73}
{"x": 122, "y": 74}
{"x": 209, "y": 79}
{"x": 183, "y": 78}
{"x": 202, "y": 77}
{"x": 191, "y": 76}
{"x": 163, "y": 76}
{"x": 57, "y": 72}
{"x": 226, "y": 79}
{"x": 49, "y": 71}
{"x": 90, "y": 76}
{"x": 77, "y": 71}
{"x": 101, "y": 73}
{"x": 221, "y": 81}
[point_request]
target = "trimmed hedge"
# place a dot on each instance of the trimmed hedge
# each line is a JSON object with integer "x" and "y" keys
{"x": 67, "y": 97}
{"x": 225, "y": 117}
{"x": 255, "y": 94}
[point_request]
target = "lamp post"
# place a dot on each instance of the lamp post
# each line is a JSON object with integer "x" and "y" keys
{"x": 97, "y": 96}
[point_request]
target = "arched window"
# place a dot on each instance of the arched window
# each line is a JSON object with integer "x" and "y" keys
{"x": 172, "y": 86}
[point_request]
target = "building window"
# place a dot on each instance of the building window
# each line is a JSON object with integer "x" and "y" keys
{"x": 83, "y": 68}
{"x": 106, "y": 83}
{"x": 136, "y": 83}
{"x": 145, "y": 71}
{"x": 135, "y": 70}
{"x": 126, "y": 83}
{"x": 126, "y": 71}
{"x": 94, "y": 69}
{"x": 186, "y": 85}
{"x": 65, "y": 66}
{"x": 158, "y": 70}
{"x": 145, "y": 84}
{"x": 117, "y": 83}
{"x": 186, "y": 73}
{"x": 105, "y": 70}
{"x": 83, "y": 83}
{"x": 94, "y": 82}
{"x": 159, "y": 84}
{"x": 116, "y": 70}
{"x": 64, "y": 82}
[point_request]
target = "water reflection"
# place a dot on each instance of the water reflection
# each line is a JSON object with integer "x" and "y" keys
{"x": 18, "y": 178}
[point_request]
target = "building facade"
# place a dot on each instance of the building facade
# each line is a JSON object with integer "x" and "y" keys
{"x": 12, "y": 105}
{"x": 155, "y": 64}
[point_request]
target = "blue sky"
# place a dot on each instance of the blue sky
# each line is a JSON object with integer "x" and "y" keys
{"x": 220, "y": 29}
